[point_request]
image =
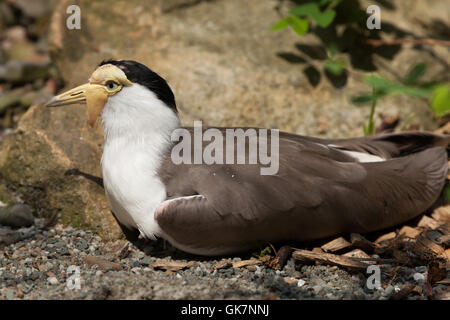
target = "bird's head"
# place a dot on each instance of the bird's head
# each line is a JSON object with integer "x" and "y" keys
{"x": 112, "y": 79}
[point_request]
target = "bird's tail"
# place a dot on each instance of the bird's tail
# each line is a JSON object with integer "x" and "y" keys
{"x": 395, "y": 145}
{"x": 409, "y": 185}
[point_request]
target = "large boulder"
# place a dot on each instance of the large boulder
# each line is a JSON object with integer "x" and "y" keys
{"x": 34, "y": 163}
{"x": 221, "y": 60}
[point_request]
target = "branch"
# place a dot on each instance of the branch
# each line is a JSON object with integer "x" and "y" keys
{"x": 377, "y": 42}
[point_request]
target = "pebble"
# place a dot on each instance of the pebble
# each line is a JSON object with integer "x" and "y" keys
{"x": 17, "y": 215}
{"x": 419, "y": 277}
{"x": 147, "y": 261}
{"x": 301, "y": 283}
{"x": 421, "y": 269}
{"x": 388, "y": 291}
{"x": 53, "y": 280}
{"x": 37, "y": 272}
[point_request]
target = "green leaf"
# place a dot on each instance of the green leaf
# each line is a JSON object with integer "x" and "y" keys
{"x": 415, "y": 73}
{"x": 283, "y": 23}
{"x": 409, "y": 91}
{"x": 377, "y": 82}
{"x": 323, "y": 3}
{"x": 366, "y": 132}
{"x": 364, "y": 98}
{"x": 384, "y": 86}
{"x": 332, "y": 50}
{"x": 447, "y": 193}
{"x": 325, "y": 18}
{"x": 336, "y": 67}
{"x": 440, "y": 101}
{"x": 312, "y": 10}
{"x": 300, "y": 26}
{"x": 307, "y": 9}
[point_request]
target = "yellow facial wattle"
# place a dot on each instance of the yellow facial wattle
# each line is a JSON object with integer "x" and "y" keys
{"x": 105, "y": 82}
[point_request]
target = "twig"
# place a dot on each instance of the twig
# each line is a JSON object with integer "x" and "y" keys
{"x": 429, "y": 41}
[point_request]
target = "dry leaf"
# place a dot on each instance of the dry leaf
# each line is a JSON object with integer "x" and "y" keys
{"x": 386, "y": 237}
{"x": 445, "y": 281}
{"x": 443, "y": 296}
{"x": 405, "y": 290}
{"x": 281, "y": 258}
{"x": 124, "y": 252}
{"x": 359, "y": 242}
{"x": 357, "y": 253}
{"x": 442, "y": 214}
{"x": 409, "y": 232}
{"x": 223, "y": 264}
{"x": 328, "y": 258}
{"x": 290, "y": 280}
{"x": 436, "y": 271}
{"x": 401, "y": 256}
{"x": 245, "y": 263}
{"x": 428, "y": 223}
{"x": 170, "y": 265}
{"x": 427, "y": 249}
{"x": 336, "y": 245}
{"x": 102, "y": 263}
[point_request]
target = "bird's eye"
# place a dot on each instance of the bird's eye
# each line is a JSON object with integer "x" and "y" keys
{"x": 111, "y": 85}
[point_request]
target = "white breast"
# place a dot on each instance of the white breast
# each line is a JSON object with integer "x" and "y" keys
{"x": 137, "y": 129}
{"x": 132, "y": 187}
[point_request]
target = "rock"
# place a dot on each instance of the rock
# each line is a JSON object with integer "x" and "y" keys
{"x": 9, "y": 236}
{"x": 35, "y": 8}
{"x": 301, "y": 283}
{"x": 419, "y": 277}
{"x": 17, "y": 71}
{"x": 8, "y": 99}
{"x": 6, "y": 16}
{"x": 10, "y": 294}
{"x": 53, "y": 281}
{"x": 252, "y": 268}
{"x": 18, "y": 215}
{"x": 388, "y": 291}
{"x": 147, "y": 261}
{"x": 34, "y": 161}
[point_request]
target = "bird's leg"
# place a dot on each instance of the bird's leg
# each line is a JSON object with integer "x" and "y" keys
{"x": 77, "y": 172}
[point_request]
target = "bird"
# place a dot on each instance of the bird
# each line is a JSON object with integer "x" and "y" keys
{"x": 323, "y": 187}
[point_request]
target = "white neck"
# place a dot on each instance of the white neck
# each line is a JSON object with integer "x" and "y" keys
{"x": 137, "y": 127}
{"x": 135, "y": 113}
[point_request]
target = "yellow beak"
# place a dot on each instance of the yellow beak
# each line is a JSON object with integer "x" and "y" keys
{"x": 93, "y": 95}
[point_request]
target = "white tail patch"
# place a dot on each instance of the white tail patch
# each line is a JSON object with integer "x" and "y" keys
{"x": 363, "y": 157}
{"x": 360, "y": 156}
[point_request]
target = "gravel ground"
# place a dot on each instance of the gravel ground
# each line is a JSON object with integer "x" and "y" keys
{"x": 37, "y": 267}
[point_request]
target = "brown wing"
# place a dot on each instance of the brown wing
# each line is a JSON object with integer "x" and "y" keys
{"x": 318, "y": 192}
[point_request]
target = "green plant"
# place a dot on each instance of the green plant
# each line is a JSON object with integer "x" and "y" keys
{"x": 319, "y": 12}
{"x": 437, "y": 93}
{"x": 322, "y": 18}
{"x": 447, "y": 194}
{"x": 322, "y": 14}
{"x": 268, "y": 250}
